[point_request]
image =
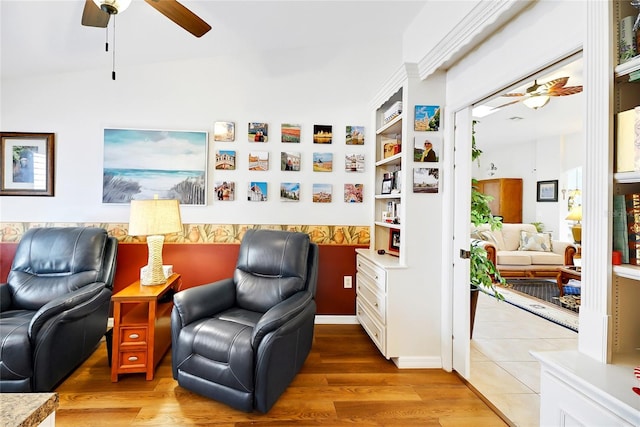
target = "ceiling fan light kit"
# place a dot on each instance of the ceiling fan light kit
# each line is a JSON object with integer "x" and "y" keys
{"x": 536, "y": 101}
{"x": 112, "y": 7}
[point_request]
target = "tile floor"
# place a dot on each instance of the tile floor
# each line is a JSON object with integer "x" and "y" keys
{"x": 502, "y": 368}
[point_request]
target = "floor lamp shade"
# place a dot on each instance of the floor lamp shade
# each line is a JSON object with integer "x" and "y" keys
{"x": 154, "y": 218}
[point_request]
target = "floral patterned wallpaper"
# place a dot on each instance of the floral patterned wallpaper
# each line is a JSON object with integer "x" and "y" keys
{"x": 11, "y": 232}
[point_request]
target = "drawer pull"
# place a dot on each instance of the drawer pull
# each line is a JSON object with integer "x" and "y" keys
{"x": 376, "y": 304}
{"x": 134, "y": 336}
{"x": 132, "y": 358}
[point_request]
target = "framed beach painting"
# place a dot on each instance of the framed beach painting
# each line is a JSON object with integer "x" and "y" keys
{"x": 144, "y": 164}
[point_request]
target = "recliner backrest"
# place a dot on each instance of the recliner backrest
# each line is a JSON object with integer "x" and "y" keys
{"x": 272, "y": 266}
{"x": 50, "y": 262}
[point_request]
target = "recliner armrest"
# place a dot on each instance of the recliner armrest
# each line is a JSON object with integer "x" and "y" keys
{"x": 204, "y": 301}
{"x": 74, "y": 305}
{"x": 280, "y": 314}
{"x": 5, "y": 297}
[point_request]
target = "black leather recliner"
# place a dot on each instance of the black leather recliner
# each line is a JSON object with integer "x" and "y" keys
{"x": 54, "y": 306}
{"x": 242, "y": 340}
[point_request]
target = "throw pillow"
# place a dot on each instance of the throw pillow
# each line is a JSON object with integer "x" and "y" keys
{"x": 540, "y": 242}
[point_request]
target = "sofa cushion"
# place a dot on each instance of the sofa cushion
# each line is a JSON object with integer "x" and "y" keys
{"x": 539, "y": 242}
{"x": 511, "y": 235}
{"x": 546, "y": 258}
{"x": 514, "y": 258}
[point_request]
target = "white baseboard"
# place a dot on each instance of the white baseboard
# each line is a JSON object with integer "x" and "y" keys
{"x": 336, "y": 320}
{"x": 417, "y": 362}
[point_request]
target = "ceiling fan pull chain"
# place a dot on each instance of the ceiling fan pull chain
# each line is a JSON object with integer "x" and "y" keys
{"x": 113, "y": 68}
{"x": 106, "y": 40}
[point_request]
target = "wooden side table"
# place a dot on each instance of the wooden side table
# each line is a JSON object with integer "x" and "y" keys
{"x": 141, "y": 327}
{"x": 565, "y": 273}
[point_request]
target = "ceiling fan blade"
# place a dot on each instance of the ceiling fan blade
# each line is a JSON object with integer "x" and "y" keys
{"x": 181, "y": 16}
{"x": 513, "y": 94}
{"x": 93, "y": 16}
{"x": 569, "y": 90}
{"x": 508, "y": 103}
{"x": 552, "y": 85}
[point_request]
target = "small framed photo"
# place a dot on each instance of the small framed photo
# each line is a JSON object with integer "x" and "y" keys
{"x": 27, "y": 161}
{"x": 258, "y": 132}
{"x": 224, "y": 131}
{"x": 386, "y": 186}
{"x": 355, "y": 135}
{"x": 322, "y": 134}
{"x": 257, "y": 192}
{"x": 322, "y": 193}
{"x": 547, "y": 191}
{"x": 427, "y": 118}
{"x": 290, "y": 132}
{"x": 225, "y": 191}
{"x": 290, "y": 191}
{"x": 322, "y": 162}
{"x": 427, "y": 148}
{"x": 226, "y": 160}
{"x": 290, "y": 161}
{"x": 353, "y": 193}
{"x": 394, "y": 242}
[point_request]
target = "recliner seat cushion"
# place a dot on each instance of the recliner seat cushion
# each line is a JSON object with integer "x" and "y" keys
{"x": 211, "y": 358}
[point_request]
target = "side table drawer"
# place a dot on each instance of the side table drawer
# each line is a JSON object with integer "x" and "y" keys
{"x": 133, "y": 359}
{"x": 130, "y": 336}
{"x": 376, "y": 274}
{"x": 375, "y": 331}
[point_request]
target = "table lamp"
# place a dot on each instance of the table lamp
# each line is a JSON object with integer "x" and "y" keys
{"x": 575, "y": 214}
{"x": 154, "y": 218}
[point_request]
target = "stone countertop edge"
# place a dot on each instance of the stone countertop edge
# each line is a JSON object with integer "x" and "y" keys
{"x": 26, "y": 409}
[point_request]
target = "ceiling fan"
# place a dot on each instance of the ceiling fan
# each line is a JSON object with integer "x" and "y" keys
{"x": 538, "y": 95}
{"x": 96, "y": 13}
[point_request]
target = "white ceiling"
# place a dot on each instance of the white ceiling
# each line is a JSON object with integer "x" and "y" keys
{"x": 46, "y": 36}
{"x": 43, "y": 37}
{"x": 517, "y": 123}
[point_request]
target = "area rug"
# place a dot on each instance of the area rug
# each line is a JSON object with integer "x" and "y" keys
{"x": 541, "y": 297}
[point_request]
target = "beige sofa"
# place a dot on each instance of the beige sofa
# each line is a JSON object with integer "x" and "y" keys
{"x": 518, "y": 250}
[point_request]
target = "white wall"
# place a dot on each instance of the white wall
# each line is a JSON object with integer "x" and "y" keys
{"x": 286, "y": 87}
{"x": 544, "y": 159}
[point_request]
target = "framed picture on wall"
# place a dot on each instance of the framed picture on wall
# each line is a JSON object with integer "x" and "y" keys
{"x": 27, "y": 164}
{"x": 143, "y": 164}
{"x": 547, "y": 191}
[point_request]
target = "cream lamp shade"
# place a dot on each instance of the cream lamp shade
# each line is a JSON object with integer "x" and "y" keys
{"x": 575, "y": 214}
{"x": 154, "y": 218}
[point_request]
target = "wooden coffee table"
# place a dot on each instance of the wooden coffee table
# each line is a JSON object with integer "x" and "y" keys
{"x": 565, "y": 274}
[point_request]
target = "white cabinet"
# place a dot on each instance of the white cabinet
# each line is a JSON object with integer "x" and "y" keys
{"x": 397, "y": 302}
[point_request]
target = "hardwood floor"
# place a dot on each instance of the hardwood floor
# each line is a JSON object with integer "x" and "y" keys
{"x": 345, "y": 381}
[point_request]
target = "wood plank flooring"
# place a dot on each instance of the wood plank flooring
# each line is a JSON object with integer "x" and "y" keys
{"x": 344, "y": 382}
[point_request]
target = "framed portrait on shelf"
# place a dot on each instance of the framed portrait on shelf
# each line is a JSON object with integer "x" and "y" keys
{"x": 394, "y": 242}
{"x": 547, "y": 191}
{"x": 27, "y": 161}
{"x": 386, "y": 186}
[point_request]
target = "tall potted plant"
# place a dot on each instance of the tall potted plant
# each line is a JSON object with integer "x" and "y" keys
{"x": 483, "y": 273}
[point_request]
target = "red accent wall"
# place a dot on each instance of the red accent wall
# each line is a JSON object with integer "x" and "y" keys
{"x": 204, "y": 263}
